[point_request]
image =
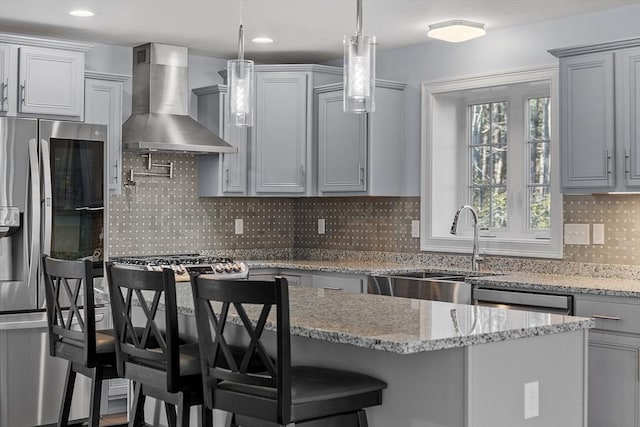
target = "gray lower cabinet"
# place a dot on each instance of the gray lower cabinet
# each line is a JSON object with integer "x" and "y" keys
{"x": 599, "y": 136}
{"x": 614, "y": 359}
{"x": 360, "y": 154}
{"x": 352, "y": 283}
{"x": 221, "y": 174}
{"x": 614, "y": 392}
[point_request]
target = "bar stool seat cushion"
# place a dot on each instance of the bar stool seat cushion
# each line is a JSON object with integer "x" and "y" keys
{"x": 310, "y": 384}
{"x": 106, "y": 341}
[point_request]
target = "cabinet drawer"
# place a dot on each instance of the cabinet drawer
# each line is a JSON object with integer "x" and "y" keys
{"x": 610, "y": 315}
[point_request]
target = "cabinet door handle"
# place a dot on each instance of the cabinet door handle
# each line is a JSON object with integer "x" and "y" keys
{"x": 608, "y": 162}
{"x": 5, "y": 93}
{"x": 360, "y": 173}
{"x": 116, "y": 176}
{"x": 627, "y": 163}
{"x": 605, "y": 317}
{"x": 227, "y": 176}
{"x": 303, "y": 179}
{"x": 331, "y": 288}
{"x": 23, "y": 90}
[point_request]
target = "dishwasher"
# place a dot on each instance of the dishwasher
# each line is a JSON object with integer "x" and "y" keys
{"x": 517, "y": 299}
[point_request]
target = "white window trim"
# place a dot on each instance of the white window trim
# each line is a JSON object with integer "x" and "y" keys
{"x": 436, "y": 212}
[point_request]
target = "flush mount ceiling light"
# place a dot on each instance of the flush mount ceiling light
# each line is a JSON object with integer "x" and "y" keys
{"x": 241, "y": 87}
{"x": 456, "y": 31}
{"x": 262, "y": 40}
{"x": 81, "y": 13}
{"x": 359, "y": 69}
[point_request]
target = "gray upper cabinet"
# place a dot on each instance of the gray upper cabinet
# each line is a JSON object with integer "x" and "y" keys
{"x": 628, "y": 117}
{"x": 281, "y": 140}
{"x": 38, "y": 68}
{"x": 361, "y": 154}
{"x": 221, "y": 174}
{"x": 599, "y": 91}
{"x": 103, "y": 105}
{"x": 5, "y": 52}
{"x": 342, "y": 146}
{"x": 29, "y": 65}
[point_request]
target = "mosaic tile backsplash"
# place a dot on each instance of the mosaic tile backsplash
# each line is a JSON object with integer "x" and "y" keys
{"x": 161, "y": 215}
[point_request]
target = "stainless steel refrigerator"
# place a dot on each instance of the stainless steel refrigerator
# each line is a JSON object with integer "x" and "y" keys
{"x": 52, "y": 201}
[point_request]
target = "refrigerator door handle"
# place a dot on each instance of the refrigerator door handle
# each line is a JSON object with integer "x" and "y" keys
{"x": 46, "y": 206}
{"x": 34, "y": 250}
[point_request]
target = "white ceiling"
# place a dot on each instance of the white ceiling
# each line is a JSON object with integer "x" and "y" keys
{"x": 303, "y": 30}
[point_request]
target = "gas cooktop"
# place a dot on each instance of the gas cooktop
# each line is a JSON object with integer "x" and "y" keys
{"x": 183, "y": 264}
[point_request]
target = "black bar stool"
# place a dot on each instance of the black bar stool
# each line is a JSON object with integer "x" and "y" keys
{"x": 282, "y": 395}
{"x": 164, "y": 369}
{"x": 72, "y": 331}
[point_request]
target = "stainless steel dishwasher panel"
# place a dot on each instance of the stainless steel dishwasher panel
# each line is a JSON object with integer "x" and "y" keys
{"x": 452, "y": 289}
{"x": 521, "y": 300}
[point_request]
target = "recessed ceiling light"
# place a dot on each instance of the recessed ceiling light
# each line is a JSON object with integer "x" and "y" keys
{"x": 81, "y": 13}
{"x": 262, "y": 40}
{"x": 456, "y": 31}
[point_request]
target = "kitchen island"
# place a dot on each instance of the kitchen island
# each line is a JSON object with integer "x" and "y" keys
{"x": 445, "y": 364}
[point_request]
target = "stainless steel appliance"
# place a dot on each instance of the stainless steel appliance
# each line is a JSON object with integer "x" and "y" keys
{"x": 183, "y": 264}
{"x": 422, "y": 285}
{"x": 523, "y": 300}
{"x": 160, "y": 118}
{"x": 51, "y": 202}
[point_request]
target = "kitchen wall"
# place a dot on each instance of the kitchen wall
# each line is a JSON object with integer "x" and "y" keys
{"x": 161, "y": 215}
{"x": 499, "y": 50}
{"x": 158, "y": 215}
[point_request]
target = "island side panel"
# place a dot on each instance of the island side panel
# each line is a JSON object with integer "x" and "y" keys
{"x": 424, "y": 389}
{"x": 497, "y": 374}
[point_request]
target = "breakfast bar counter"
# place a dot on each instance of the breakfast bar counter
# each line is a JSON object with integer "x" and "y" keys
{"x": 439, "y": 359}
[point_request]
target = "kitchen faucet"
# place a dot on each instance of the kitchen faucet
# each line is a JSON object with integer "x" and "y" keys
{"x": 475, "y": 256}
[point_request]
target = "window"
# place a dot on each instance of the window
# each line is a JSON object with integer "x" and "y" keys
{"x": 488, "y": 125}
{"x": 490, "y": 142}
{"x": 539, "y": 160}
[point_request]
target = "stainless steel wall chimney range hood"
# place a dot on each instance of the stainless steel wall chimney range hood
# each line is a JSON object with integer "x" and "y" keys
{"x": 160, "y": 120}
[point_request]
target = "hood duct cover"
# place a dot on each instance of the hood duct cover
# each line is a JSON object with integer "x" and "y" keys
{"x": 160, "y": 119}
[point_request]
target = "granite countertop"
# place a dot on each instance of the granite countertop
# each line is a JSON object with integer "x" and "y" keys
{"x": 401, "y": 325}
{"x": 563, "y": 283}
{"x": 347, "y": 267}
{"x": 531, "y": 281}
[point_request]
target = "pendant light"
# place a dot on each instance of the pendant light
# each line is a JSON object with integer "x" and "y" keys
{"x": 359, "y": 69}
{"x": 241, "y": 85}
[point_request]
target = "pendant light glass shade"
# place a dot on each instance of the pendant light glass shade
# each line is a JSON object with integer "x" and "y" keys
{"x": 240, "y": 73}
{"x": 359, "y": 73}
{"x": 359, "y": 69}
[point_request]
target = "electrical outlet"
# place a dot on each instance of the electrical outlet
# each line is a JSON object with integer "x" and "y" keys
{"x": 321, "y": 229}
{"x": 598, "y": 234}
{"x": 415, "y": 228}
{"x": 576, "y": 234}
{"x": 239, "y": 226}
{"x": 531, "y": 400}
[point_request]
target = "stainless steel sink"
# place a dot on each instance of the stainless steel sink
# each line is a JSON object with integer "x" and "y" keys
{"x": 420, "y": 274}
{"x": 422, "y": 285}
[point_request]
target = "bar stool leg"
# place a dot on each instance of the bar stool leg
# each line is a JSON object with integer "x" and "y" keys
{"x": 65, "y": 405}
{"x": 362, "y": 419}
{"x": 206, "y": 415}
{"x": 96, "y": 394}
{"x": 137, "y": 407}
{"x": 170, "y": 410}
{"x": 183, "y": 411}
